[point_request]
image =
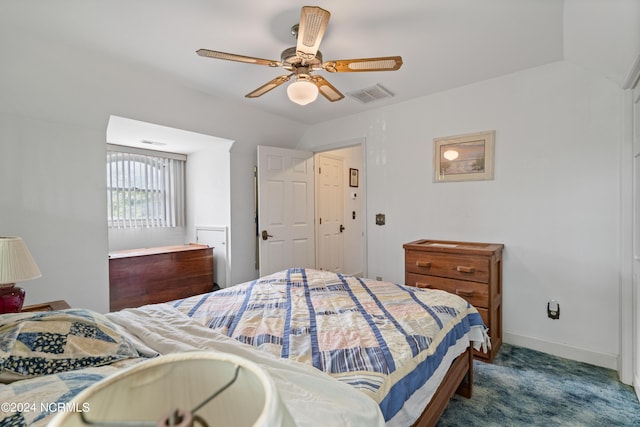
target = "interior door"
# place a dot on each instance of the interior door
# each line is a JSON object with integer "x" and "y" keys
{"x": 285, "y": 209}
{"x": 330, "y": 213}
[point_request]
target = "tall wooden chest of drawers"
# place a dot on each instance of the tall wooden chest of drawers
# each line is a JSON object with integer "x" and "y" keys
{"x": 469, "y": 269}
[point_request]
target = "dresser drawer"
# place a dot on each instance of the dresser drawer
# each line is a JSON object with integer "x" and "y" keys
{"x": 476, "y": 293}
{"x": 474, "y": 268}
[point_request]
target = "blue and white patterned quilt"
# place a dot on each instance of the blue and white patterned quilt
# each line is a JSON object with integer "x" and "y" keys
{"x": 36, "y": 400}
{"x": 383, "y": 339}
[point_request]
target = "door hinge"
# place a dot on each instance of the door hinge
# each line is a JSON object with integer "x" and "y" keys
{"x": 320, "y": 220}
{"x": 319, "y": 170}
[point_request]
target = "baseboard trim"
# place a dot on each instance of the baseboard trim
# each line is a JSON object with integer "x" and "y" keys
{"x": 604, "y": 360}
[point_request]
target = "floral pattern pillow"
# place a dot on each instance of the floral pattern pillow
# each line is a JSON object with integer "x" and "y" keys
{"x": 43, "y": 343}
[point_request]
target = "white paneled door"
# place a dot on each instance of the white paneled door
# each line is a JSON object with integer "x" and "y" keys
{"x": 330, "y": 213}
{"x": 285, "y": 209}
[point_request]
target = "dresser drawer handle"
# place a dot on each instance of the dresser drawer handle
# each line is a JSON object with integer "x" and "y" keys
{"x": 423, "y": 285}
{"x": 464, "y": 269}
{"x": 463, "y": 293}
{"x": 423, "y": 264}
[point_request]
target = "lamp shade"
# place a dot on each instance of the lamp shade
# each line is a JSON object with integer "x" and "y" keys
{"x": 302, "y": 91}
{"x": 16, "y": 262}
{"x": 221, "y": 389}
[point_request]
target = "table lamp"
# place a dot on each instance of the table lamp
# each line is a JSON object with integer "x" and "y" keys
{"x": 180, "y": 390}
{"x": 16, "y": 265}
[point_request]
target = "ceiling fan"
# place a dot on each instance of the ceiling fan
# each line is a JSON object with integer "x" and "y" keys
{"x": 305, "y": 58}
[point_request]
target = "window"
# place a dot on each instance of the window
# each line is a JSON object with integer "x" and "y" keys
{"x": 144, "y": 188}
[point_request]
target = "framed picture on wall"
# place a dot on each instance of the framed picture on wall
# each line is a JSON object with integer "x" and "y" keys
{"x": 353, "y": 177}
{"x": 463, "y": 157}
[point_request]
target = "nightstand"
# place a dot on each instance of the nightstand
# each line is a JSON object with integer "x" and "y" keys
{"x": 47, "y": 306}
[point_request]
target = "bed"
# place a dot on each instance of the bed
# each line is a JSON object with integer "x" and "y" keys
{"x": 341, "y": 349}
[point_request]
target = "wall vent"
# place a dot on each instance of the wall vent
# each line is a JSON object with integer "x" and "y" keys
{"x": 370, "y": 94}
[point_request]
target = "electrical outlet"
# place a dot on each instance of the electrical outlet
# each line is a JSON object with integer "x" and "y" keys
{"x": 379, "y": 278}
{"x": 553, "y": 309}
{"x": 380, "y": 219}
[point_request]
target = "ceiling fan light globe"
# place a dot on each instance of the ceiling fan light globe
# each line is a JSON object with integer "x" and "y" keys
{"x": 302, "y": 92}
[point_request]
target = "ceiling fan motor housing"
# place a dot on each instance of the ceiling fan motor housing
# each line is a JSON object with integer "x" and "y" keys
{"x": 290, "y": 57}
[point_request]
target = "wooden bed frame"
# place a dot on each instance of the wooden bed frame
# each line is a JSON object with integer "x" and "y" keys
{"x": 459, "y": 379}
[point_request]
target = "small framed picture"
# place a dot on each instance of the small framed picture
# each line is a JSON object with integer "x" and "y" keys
{"x": 463, "y": 157}
{"x": 353, "y": 177}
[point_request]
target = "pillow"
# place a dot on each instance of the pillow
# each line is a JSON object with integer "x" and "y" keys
{"x": 42, "y": 343}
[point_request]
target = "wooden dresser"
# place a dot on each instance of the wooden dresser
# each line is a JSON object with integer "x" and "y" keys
{"x": 153, "y": 275}
{"x": 469, "y": 269}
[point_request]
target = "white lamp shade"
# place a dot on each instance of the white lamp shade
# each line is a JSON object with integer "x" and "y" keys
{"x": 16, "y": 262}
{"x": 155, "y": 388}
{"x": 302, "y": 92}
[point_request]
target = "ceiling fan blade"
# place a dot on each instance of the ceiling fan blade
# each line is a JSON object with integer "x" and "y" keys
{"x": 313, "y": 23}
{"x": 326, "y": 89}
{"x": 388, "y": 63}
{"x": 268, "y": 86}
{"x": 238, "y": 58}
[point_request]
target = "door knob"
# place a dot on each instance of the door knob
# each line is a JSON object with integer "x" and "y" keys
{"x": 341, "y": 228}
{"x": 265, "y": 235}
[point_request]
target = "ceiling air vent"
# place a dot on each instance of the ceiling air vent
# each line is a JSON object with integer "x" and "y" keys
{"x": 146, "y": 141}
{"x": 370, "y": 94}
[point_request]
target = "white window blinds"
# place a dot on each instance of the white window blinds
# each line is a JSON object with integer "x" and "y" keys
{"x": 145, "y": 188}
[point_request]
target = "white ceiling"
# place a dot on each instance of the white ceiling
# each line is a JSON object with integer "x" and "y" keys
{"x": 444, "y": 43}
{"x": 150, "y": 136}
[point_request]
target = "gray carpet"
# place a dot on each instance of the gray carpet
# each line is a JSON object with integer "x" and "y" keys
{"x": 528, "y": 388}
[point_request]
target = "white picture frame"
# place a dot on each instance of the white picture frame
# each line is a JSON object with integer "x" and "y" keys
{"x": 468, "y": 157}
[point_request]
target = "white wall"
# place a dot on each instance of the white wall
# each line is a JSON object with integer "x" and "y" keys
{"x": 554, "y": 202}
{"x": 133, "y": 238}
{"x": 208, "y": 188}
{"x": 54, "y": 110}
{"x": 53, "y": 194}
